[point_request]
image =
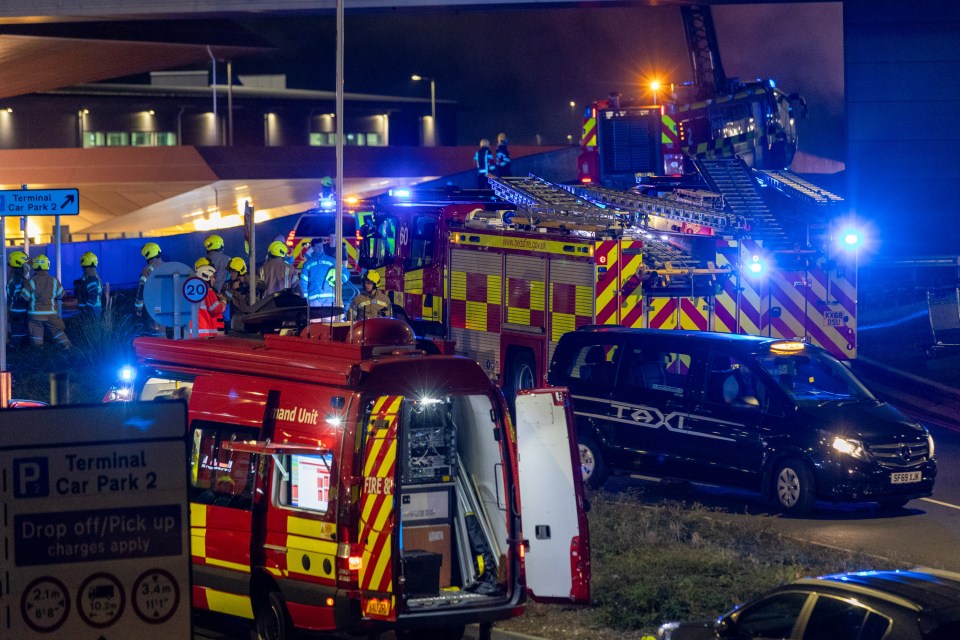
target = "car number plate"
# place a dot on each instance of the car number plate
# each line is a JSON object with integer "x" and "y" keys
{"x": 906, "y": 477}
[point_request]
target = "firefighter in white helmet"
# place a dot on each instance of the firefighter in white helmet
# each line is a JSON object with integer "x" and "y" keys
{"x": 371, "y": 302}
{"x": 210, "y": 313}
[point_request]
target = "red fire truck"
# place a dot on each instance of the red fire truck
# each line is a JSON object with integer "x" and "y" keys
{"x": 505, "y": 280}
{"x": 342, "y": 480}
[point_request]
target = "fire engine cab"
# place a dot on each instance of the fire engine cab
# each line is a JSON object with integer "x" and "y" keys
{"x": 343, "y": 480}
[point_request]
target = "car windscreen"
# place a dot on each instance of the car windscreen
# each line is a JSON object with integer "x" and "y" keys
{"x": 813, "y": 377}
{"x": 315, "y": 225}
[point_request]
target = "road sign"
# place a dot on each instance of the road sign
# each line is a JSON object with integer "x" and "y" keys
{"x": 40, "y": 202}
{"x": 96, "y": 522}
{"x": 194, "y": 289}
{"x": 162, "y": 294}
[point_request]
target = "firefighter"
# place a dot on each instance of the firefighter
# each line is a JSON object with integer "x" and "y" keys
{"x": 483, "y": 160}
{"x": 503, "y": 157}
{"x": 89, "y": 288}
{"x": 237, "y": 292}
{"x": 151, "y": 253}
{"x": 210, "y": 313}
{"x": 275, "y": 274}
{"x": 214, "y": 246}
{"x": 42, "y": 292}
{"x": 318, "y": 274}
{"x": 371, "y": 302}
{"x": 16, "y": 305}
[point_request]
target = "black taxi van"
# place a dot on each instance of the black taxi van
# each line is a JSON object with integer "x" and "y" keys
{"x": 779, "y": 416}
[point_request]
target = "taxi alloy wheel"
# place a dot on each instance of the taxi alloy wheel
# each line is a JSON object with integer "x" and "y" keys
{"x": 794, "y": 487}
{"x": 592, "y": 467}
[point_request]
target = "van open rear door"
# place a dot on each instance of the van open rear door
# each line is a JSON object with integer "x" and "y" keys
{"x": 551, "y": 498}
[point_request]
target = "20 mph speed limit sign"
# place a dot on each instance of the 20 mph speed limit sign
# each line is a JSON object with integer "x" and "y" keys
{"x": 194, "y": 289}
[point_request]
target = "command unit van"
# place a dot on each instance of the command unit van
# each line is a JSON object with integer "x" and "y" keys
{"x": 343, "y": 480}
{"x": 779, "y": 416}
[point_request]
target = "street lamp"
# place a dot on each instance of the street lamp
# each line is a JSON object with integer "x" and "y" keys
{"x": 573, "y": 112}
{"x": 433, "y": 103}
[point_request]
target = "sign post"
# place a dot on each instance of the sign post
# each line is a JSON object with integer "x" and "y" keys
{"x": 96, "y": 522}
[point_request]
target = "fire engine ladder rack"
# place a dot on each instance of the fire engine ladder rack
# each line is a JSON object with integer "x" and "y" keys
{"x": 734, "y": 179}
{"x": 549, "y": 202}
{"x": 793, "y": 186}
{"x": 647, "y": 205}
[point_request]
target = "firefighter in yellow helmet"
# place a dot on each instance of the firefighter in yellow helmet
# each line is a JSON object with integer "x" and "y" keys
{"x": 275, "y": 274}
{"x": 42, "y": 292}
{"x": 89, "y": 288}
{"x": 371, "y": 302}
{"x": 214, "y": 246}
{"x": 151, "y": 253}
{"x": 19, "y": 263}
{"x": 237, "y": 292}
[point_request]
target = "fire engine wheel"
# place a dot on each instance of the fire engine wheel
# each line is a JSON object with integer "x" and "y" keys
{"x": 794, "y": 487}
{"x": 521, "y": 374}
{"x": 272, "y": 620}
{"x": 592, "y": 467}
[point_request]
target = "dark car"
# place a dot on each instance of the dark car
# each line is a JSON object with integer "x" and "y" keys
{"x": 777, "y": 416}
{"x": 870, "y": 605}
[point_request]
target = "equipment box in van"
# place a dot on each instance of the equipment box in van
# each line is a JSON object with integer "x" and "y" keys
{"x": 779, "y": 416}
{"x": 359, "y": 485}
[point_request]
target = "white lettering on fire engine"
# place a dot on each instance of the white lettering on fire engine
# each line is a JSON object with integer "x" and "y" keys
{"x": 297, "y": 414}
{"x": 374, "y": 486}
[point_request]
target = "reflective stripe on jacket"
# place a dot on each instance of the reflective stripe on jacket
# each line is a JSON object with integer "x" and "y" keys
{"x": 41, "y": 293}
{"x": 277, "y": 275}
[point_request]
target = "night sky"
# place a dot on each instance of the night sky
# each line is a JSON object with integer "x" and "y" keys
{"x": 517, "y": 70}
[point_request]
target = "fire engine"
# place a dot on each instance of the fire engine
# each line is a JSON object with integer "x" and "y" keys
{"x": 320, "y": 221}
{"x": 712, "y": 117}
{"x": 343, "y": 480}
{"x": 505, "y": 280}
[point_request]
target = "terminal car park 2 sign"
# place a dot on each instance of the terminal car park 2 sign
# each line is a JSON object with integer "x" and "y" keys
{"x": 39, "y": 202}
{"x": 95, "y": 527}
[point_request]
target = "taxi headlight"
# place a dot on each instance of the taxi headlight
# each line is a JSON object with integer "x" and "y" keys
{"x": 930, "y": 446}
{"x": 851, "y": 447}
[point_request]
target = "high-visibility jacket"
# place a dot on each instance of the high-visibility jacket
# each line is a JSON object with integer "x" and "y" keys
{"x": 483, "y": 160}
{"x": 503, "y": 161}
{"x": 210, "y": 313}
{"x": 15, "y": 302}
{"x": 277, "y": 275}
{"x": 41, "y": 293}
{"x": 152, "y": 264}
{"x": 318, "y": 278}
{"x": 375, "y": 304}
{"x": 89, "y": 291}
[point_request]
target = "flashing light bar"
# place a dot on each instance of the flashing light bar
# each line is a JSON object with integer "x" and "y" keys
{"x": 399, "y": 193}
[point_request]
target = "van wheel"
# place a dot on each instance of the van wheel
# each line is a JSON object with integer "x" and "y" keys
{"x": 272, "y": 620}
{"x": 521, "y": 374}
{"x": 793, "y": 487}
{"x": 592, "y": 467}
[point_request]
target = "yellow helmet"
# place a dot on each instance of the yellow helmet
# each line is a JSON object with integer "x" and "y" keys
{"x": 88, "y": 259}
{"x": 373, "y": 277}
{"x": 41, "y": 263}
{"x": 212, "y": 243}
{"x": 17, "y": 259}
{"x": 277, "y": 249}
{"x": 238, "y": 264}
{"x": 201, "y": 262}
{"x": 150, "y": 250}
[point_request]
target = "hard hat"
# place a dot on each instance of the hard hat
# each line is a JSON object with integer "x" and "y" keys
{"x": 212, "y": 243}
{"x": 206, "y": 272}
{"x": 88, "y": 259}
{"x": 41, "y": 263}
{"x": 150, "y": 250}
{"x": 237, "y": 264}
{"x": 277, "y": 249}
{"x": 17, "y": 259}
{"x": 373, "y": 277}
{"x": 326, "y": 181}
{"x": 201, "y": 262}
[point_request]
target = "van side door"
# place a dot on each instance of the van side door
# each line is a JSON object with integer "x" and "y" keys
{"x": 727, "y": 420}
{"x": 649, "y": 405}
{"x": 551, "y": 498}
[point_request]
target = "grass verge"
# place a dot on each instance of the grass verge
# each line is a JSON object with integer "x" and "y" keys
{"x": 674, "y": 561}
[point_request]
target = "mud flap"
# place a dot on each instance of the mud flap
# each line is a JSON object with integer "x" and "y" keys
{"x": 551, "y": 498}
